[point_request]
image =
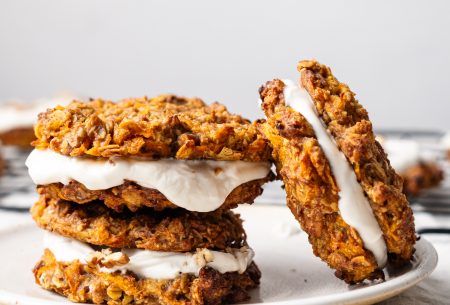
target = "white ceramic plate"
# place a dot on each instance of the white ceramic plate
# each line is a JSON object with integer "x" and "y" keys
{"x": 291, "y": 274}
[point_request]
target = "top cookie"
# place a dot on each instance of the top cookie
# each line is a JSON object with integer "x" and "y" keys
{"x": 166, "y": 126}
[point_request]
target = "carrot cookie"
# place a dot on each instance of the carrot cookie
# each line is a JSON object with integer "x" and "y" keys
{"x": 166, "y": 126}
{"x": 82, "y": 274}
{"x": 175, "y": 230}
{"x": 133, "y": 196}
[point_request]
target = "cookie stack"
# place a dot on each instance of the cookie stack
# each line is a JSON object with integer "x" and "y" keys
{"x": 136, "y": 196}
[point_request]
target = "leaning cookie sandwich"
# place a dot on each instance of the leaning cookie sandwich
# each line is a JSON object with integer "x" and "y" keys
{"x": 339, "y": 183}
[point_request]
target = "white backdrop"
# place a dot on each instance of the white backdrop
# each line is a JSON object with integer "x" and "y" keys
{"x": 394, "y": 54}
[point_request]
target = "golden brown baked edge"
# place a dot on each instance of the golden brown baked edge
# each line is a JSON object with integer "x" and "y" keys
{"x": 175, "y": 230}
{"x": 134, "y": 196}
{"x": 165, "y": 126}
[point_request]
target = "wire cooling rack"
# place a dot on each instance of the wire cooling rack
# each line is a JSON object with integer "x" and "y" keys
{"x": 435, "y": 200}
{"x": 17, "y": 190}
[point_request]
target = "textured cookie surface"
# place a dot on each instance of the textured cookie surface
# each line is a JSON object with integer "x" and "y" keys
{"x": 134, "y": 196}
{"x": 82, "y": 283}
{"x": 162, "y": 127}
{"x": 174, "y": 231}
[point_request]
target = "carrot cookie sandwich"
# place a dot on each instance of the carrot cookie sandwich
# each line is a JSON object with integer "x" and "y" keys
{"x": 165, "y": 152}
{"x": 17, "y": 119}
{"x": 135, "y": 197}
{"x": 420, "y": 171}
{"x": 339, "y": 183}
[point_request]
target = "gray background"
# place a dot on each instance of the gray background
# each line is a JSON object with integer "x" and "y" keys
{"x": 394, "y": 54}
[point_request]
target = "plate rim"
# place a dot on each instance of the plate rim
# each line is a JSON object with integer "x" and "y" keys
{"x": 380, "y": 291}
{"x": 428, "y": 262}
{"x": 394, "y": 287}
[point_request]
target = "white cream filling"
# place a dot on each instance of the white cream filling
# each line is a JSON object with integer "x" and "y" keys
{"x": 196, "y": 185}
{"x": 25, "y": 115}
{"x": 154, "y": 264}
{"x": 353, "y": 204}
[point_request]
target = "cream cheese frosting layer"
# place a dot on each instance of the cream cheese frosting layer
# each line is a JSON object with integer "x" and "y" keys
{"x": 195, "y": 185}
{"x": 353, "y": 204}
{"x": 154, "y": 264}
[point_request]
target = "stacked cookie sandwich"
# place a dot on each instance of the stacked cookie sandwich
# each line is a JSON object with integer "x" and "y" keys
{"x": 136, "y": 199}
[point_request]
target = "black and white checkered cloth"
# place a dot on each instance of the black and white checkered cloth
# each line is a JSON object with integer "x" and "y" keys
{"x": 17, "y": 190}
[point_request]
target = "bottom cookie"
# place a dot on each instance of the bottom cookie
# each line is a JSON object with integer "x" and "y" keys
{"x": 87, "y": 283}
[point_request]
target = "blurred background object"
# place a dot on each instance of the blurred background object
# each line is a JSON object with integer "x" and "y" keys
{"x": 17, "y": 118}
{"x": 394, "y": 54}
{"x": 17, "y": 191}
{"x": 416, "y": 161}
{"x": 445, "y": 143}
